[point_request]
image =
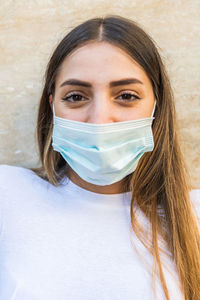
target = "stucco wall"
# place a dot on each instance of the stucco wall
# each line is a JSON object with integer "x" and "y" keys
{"x": 30, "y": 30}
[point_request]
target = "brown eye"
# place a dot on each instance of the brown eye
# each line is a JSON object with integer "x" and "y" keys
{"x": 74, "y": 97}
{"x": 129, "y": 97}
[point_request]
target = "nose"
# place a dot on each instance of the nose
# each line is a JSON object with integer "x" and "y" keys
{"x": 101, "y": 111}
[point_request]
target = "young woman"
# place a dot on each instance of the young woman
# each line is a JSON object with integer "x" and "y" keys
{"x": 109, "y": 215}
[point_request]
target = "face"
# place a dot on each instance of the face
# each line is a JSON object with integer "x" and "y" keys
{"x": 100, "y": 83}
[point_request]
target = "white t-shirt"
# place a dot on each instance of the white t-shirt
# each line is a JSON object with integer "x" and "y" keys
{"x": 67, "y": 243}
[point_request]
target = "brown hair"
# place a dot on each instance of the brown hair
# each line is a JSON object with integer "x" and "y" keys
{"x": 160, "y": 177}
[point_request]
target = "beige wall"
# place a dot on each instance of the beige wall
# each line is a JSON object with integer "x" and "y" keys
{"x": 30, "y": 30}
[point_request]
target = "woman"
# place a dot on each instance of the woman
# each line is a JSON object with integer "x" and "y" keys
{"x": 112, "y": 173}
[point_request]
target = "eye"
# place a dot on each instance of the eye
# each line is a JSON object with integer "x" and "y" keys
{"x": 128, "y": 97}
{"x": 74, "y": 97}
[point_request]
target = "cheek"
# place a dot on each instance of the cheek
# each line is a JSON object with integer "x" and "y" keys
{"x": 132, "y": 114}
{"x": 139, "y": 111}
{"x": 76, "y": 114}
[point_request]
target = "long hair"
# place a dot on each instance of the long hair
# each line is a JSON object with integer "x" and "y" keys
{"x": 160, "y": 179}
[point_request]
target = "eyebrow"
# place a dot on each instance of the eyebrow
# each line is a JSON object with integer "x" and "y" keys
{"x": 112, "y": 83}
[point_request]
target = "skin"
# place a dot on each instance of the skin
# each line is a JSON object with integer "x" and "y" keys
{"x": 99, "y": 63}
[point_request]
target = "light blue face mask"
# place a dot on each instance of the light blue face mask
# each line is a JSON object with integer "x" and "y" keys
{"x": 102, "y": 153}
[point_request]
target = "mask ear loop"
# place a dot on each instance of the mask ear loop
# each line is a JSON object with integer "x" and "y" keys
{"x": 53, "y": 109}
{"x": 154, "y": 107}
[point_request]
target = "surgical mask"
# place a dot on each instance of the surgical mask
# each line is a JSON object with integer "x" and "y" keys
{"x": 102, "y": 154}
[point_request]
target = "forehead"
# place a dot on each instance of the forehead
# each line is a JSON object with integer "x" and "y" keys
{"x": 100, "y": 61}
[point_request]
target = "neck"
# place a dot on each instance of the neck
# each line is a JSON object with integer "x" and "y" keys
{"x": 114, "y": 188}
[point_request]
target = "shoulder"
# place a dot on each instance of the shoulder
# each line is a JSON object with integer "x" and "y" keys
{"x": 195, "y": 200}
{"x": 195, "y": 197}
{"x": 15, "y": 178}
{"x": 8, "y": 169}
{"x": 16, "y": 187}
{"x": 13, "y": 174}
{"x": 21, "y": 186}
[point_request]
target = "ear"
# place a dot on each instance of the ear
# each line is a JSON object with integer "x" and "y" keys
{"x": 51, "y": 101}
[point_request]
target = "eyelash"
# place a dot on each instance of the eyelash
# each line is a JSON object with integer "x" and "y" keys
{"x": 77, "y": 94}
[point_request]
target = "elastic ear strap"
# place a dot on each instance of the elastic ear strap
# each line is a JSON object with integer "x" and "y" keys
{"x": 154, "y": 107}
{"x": 53, "y": 109}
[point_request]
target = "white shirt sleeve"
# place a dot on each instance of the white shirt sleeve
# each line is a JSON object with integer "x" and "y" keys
{"x": 195, "y": 200}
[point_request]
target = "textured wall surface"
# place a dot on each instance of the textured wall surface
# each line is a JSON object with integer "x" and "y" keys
{"x": 30, "y": 30}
